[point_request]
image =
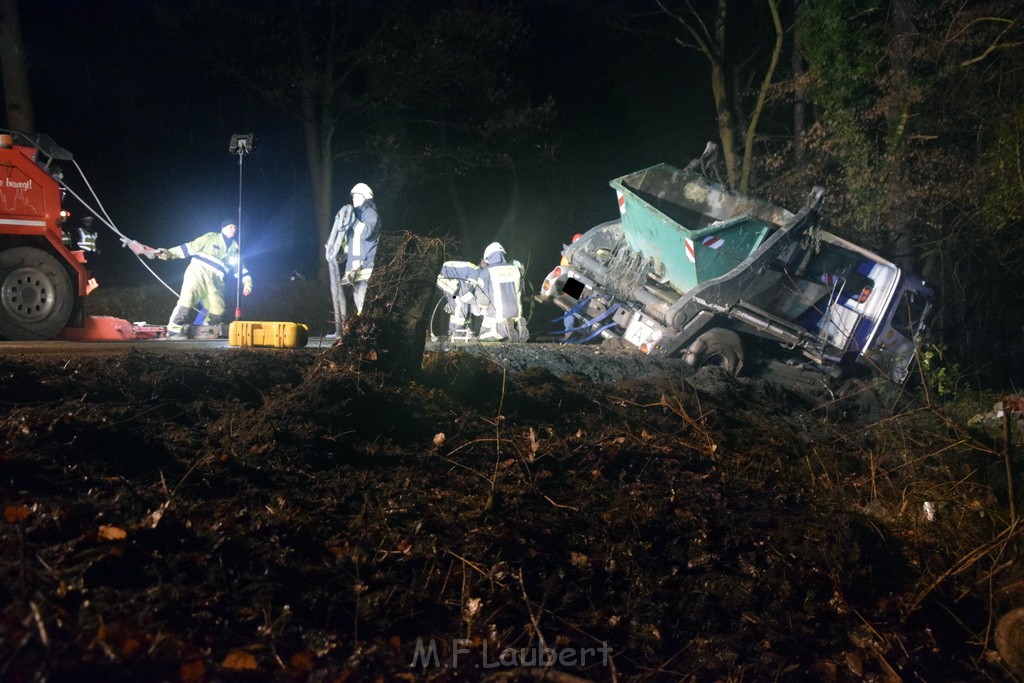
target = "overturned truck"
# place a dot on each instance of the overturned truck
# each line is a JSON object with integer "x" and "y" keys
{"x": 692, "y": 267}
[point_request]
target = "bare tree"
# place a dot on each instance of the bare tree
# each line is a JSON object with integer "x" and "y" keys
{"x": 706, "y": 32}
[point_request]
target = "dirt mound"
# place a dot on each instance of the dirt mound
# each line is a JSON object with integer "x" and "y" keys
{"x": 290, "y": 515}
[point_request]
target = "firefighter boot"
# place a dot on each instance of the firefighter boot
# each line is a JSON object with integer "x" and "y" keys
{"x": 220, "y": 328}
{"x": 339, "y": 330}
{"x": 179, "y": 328}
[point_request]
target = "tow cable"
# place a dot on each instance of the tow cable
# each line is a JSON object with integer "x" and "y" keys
{"x": 136, "y": 247}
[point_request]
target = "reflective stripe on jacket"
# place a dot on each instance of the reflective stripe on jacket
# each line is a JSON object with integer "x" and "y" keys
{"x": 214, "y": 251}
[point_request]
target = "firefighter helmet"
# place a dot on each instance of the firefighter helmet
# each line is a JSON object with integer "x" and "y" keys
{"x": 493, "y": 248}
{"x": 363, "y": 189}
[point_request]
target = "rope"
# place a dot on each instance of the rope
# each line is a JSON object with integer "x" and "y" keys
{"x": 107, "y": 221}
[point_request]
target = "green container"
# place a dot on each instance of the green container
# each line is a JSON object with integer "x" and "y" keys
{"x": 692, "y": 229}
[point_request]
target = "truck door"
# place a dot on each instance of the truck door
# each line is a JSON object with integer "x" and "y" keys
{"x": 893, "y": 351}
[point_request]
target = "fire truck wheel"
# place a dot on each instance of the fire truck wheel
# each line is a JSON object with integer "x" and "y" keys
{"x": 36, "y": 297}
{"x": 717, "y": 346}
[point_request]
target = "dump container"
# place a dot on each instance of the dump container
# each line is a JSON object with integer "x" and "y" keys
{"x": 274, "y": 334}
{"x": 691, "y": 228}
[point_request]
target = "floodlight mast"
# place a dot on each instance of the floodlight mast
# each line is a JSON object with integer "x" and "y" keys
{"x": 240, "y": 145}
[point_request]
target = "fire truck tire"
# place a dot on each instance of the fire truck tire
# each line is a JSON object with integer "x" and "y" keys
{"x": 717, "y": 346}
{"x": 36, "y": 297}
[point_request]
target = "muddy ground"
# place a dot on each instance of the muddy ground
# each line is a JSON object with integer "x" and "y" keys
{"x": 296, "y": 515}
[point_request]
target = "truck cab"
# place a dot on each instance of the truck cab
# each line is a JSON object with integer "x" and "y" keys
{"x": 851, "y": 299}
{"x": 43, "y": 283}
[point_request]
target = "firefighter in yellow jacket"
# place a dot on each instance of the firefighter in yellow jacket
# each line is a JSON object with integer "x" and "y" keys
{"x": 214, "y": 255}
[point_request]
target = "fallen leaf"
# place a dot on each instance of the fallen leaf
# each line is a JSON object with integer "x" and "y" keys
{"x": 192, "y": 671}
{"x": 471, "y": 608}
{"x": 854, "y": 663}
{"x": 153, "y": 519}
{"x": 112, "y": 533}
{"x": 303, "y": 661}
{"x": 16, "y": 513}
{"x": 130, "y": 646}
{"x": 239, "y": 660}
{"x": 579, "y": 560}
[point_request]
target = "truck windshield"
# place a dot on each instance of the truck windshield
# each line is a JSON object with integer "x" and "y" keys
{"x": 834, "y": 286}
{"x": 843, "y": 272}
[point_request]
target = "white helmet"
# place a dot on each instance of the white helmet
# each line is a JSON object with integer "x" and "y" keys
{"x": 493, "y": 248}
{"x": 363, "y": 189}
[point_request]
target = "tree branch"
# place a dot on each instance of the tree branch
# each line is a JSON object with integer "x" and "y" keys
{"x": 702, "y": 40}
{"x": 755, "y": 117}
{"x": 995, "y": 44}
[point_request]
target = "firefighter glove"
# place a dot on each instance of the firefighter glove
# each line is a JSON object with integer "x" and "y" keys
{"x": 162, "y": 254}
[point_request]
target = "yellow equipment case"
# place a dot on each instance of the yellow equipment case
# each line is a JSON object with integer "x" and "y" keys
{"x": 273, "y": 334}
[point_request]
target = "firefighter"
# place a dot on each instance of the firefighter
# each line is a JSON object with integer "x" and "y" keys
{"x": 457, "y": 280}
{"x": 499, "y": 289}
{"x": 350, "y": 250}
{"x": 214, "y": 255}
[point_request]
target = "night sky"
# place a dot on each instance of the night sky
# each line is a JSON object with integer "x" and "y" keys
{"x": 151, "y": 132}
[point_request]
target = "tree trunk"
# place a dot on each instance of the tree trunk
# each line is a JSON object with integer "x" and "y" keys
{"x": 318, "y": 129}
{"x": 898, "y": 215}
{"x": 762, "y": 93}
{"x": 390, "y": 334}
{"x": 20, "y": 116}
{"x": 799, "y": 99}
{"x": 321, "y": 174}
{"x": 727, "y": 124}
{"x": 458, "y": 208}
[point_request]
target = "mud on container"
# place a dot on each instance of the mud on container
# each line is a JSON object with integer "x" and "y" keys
{"x": 693, "y": 229}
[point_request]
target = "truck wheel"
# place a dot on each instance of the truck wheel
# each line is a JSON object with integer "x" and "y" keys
{"x": 35, "y": 295}
{"x": 717, "y": 346}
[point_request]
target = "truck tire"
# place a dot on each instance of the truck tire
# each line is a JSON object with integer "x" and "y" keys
{"x": 717, "y": 346}
{"x": 36, "y": 297}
